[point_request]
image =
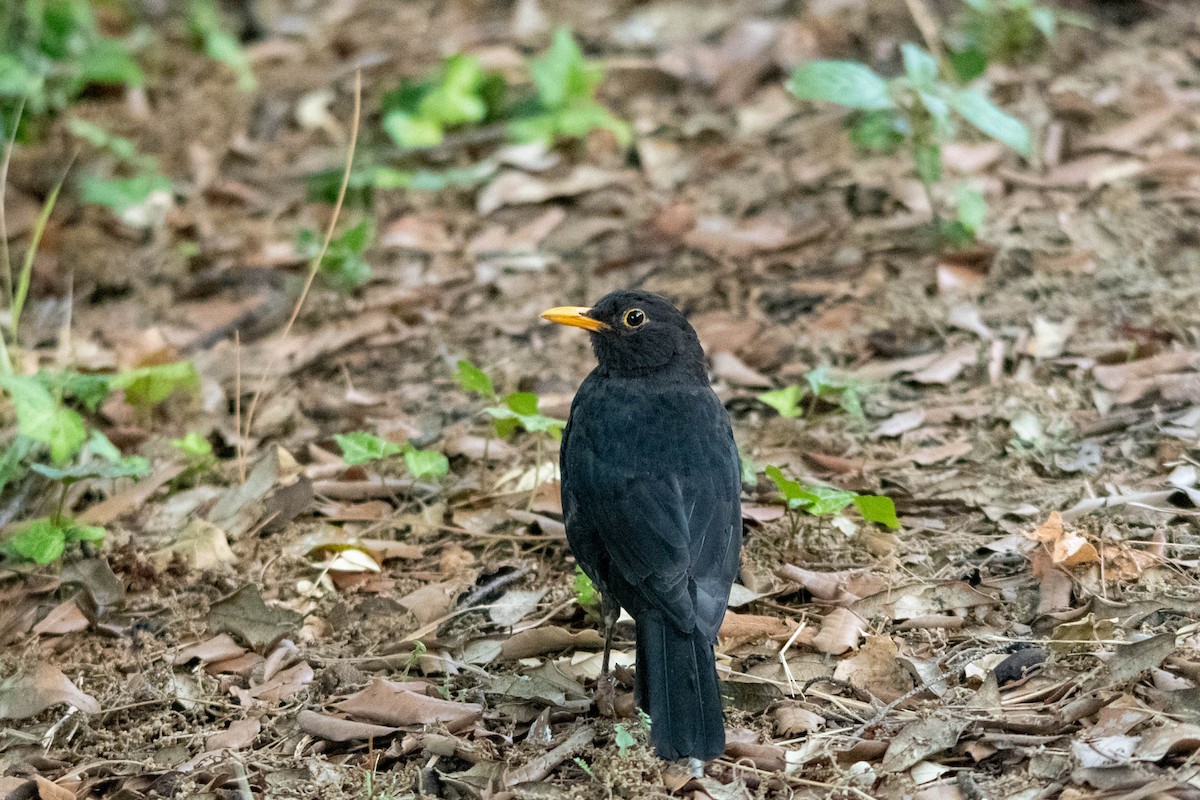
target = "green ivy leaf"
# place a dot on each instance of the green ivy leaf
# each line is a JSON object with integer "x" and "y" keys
{"x": 562, "y": 74}
{"x": 789, "y": 488}
{"x": 148, "y": 386}
{"x": 456, "y": 100}
{"x": 106, "y": 62}
{"x": 876, "y": 508}
{"x": 44, "y": 419}
{"x": 847, "y": 83}
{"x": 786, "y": 400}
{"x": 879, "y": 131}
{"x": 425, "y": 463}
{"x": 120, "y": 195}
{"x": 971, "y": 207}
{"x": 412, "y": 131}
{"x": 473, "y": 379}
{"x": 975, "y": 107}
{"x": 825, "y": 501}
{"x": 89, "y": 390}
{"x": 523, "y": 403}
{"x": 361, "y": 447}
{"x": 41, "y": 541}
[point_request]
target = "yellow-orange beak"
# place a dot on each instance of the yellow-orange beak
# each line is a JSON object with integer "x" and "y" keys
{"x": 575, "y": 316}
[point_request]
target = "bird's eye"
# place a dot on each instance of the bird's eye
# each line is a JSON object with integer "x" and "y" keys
{"x": 634, "y": 318}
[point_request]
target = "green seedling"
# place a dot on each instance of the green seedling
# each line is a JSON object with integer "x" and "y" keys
{"x": 51, "y": 51}
{"x": 1005, "y": 31}
{"x": 204, "y": 22}
{"x": 917, "y": 111}
{"x": 142, "y": 196}
{"x": 343, "y": 268}
{"x": 822, "y": 385}
{"x": 583, "y": 765}
{"x": 45, "y": 539}
{"x": 517, "y": 410}
{"x": 565, "y": 106}
{"x": 586, "y": 594}
{"x": 623, "y": 739}
{"x": 198, "y": 455}
{"x": 826, "y": 501}
{"x": 361, "y": 447}
{"x": 462, "y": 93}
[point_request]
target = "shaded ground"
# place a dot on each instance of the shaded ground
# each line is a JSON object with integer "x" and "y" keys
{"x": 985, "y": 649}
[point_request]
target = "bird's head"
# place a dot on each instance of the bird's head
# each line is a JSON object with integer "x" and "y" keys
{"x": 634, "y": 333}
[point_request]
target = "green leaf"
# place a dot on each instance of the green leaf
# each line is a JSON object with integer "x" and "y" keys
{"x": 879, "y": 131}
{"x": 562, "y": 74}
{"x": 356, "y": 239}
{"x": 44, "y": 419}
{"x": 13, "y": 458}
{"x": 473, "y": 379}
{"x": 40, "y": 541}
{"x": 84, "y": 533}
{"x": 971, "y": 207}
{"x": 975, "y": 107}
{"x": 221, "y": 46}
{"x": 123, "y": 194}
{"x": 847, "y": 83}
{"x": 425, "y": 463}
{"x": 99, "y": 458}
{"x": 456, "y": 99}
{"x": 927, "y": 161}
{"x": 969, "y": 63}
{"x": 148, "y": 386}
{"x": 360, "y": 447}
{"x": 789, "y": 488}
{"x": 786, "y": 400}
{"x": 411, "y": 131}
{"x": 877, "y": 508}
{"x": 193, "y": 445}
{"x": 585, "y": 591}
{"x": 750, "y": 468}
{"x": 920, "y": 67}
{"x": 825, "y": 501}
{"x": 87, "y": 389}
{"x": 623, "y": 739}
{"x": 106, "y": 62}
{"x": 524, "y": 403}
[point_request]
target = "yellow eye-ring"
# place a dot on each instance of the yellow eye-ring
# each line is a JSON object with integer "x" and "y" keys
{"x": 634, "y": 318}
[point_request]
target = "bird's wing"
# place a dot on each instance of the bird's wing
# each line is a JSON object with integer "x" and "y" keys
{"x": 664, "y": 511}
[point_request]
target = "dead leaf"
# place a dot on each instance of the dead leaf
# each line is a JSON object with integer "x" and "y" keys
{"x": 549, "y": 639}
{"x": 285, "y": 684}
{"x": 919, "y": 740}
{"x": 63, "y": 618}
{"x": 724, "y": 236}
{"x": 753, "y": 626}
{"x": 245, "y": 615}
{"x": 336, "y": 729}
{"x": 874, "y": 669}
{"x": 413, "y": 232}
{"x": 239, "y": 735}
{"x": 733, "y": 370}
{"x": 386, "y": 702}
{"x": 25, "y": 695}
{"x": 219, "y": 648}
{"x": 515, "y": 188}
{"x": 840, "y": 632}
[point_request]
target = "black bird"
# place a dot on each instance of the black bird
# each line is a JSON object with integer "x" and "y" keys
{"x": 650, "y": 487}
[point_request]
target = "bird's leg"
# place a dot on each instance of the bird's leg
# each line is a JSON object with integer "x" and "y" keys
{"x": 605, "y": 687}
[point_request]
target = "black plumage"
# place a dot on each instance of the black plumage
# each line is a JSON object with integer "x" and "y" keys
{"x": 651, "y": 485}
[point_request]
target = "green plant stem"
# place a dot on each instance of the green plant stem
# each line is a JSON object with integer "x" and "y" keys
{"x": 22, "y": 289}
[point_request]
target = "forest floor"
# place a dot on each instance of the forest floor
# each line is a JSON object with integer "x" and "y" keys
{"x": 282, "y": 624}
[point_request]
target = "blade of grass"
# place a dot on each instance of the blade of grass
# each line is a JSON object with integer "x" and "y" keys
{"x": 5, "y": 258}
{"x": 39, "y": 228}
{"x": 315, "y": 265}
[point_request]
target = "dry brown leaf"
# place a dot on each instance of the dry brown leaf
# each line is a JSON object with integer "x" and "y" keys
{"x": 284, "y": 685}
{"x": 1067, "y": 547}
{"x": 337, "y": 729}
{"x": 413, "y": 232}
{"x": 875, "y": 669}
{"x": 549, "y": 639}
{"x": 239, "y": 735}
{"x": 25, "y": 695}
{"x": 383, "y": 701}
{"x": 840, "y": 632}
{"x": 733, "y": 370}
{"x": 515, "y": 188}
{"x": 221, "y": 647}
{"x": 753, "y": 626}
{"x": 63, "y": 618}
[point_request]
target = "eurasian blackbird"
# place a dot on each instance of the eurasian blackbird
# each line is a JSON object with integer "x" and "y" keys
{"x": 650, "y": 489}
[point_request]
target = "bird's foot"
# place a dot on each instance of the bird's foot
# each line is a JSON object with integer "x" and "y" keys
{"x": 606, "y": 695}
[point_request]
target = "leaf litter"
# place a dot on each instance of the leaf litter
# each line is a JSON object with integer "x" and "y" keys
{"x": 1030, "y": 405}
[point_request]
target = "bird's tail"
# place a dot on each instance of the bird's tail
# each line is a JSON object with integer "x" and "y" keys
{"x": 677, "y": 686}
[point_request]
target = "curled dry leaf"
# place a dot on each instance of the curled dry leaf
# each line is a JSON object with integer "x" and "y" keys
{"x": 753, "y": 626}
{"x": 549, "y": 639}
{"x": 245, "y": 615}
{"x": 514, "y": 188}
{"x": 25, "y": 695}
{"x": 63, "y": 618}
{"x": 1067, "y": 547}
{"x": 285, "y": 684}
{"x": 840, "y": 632}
